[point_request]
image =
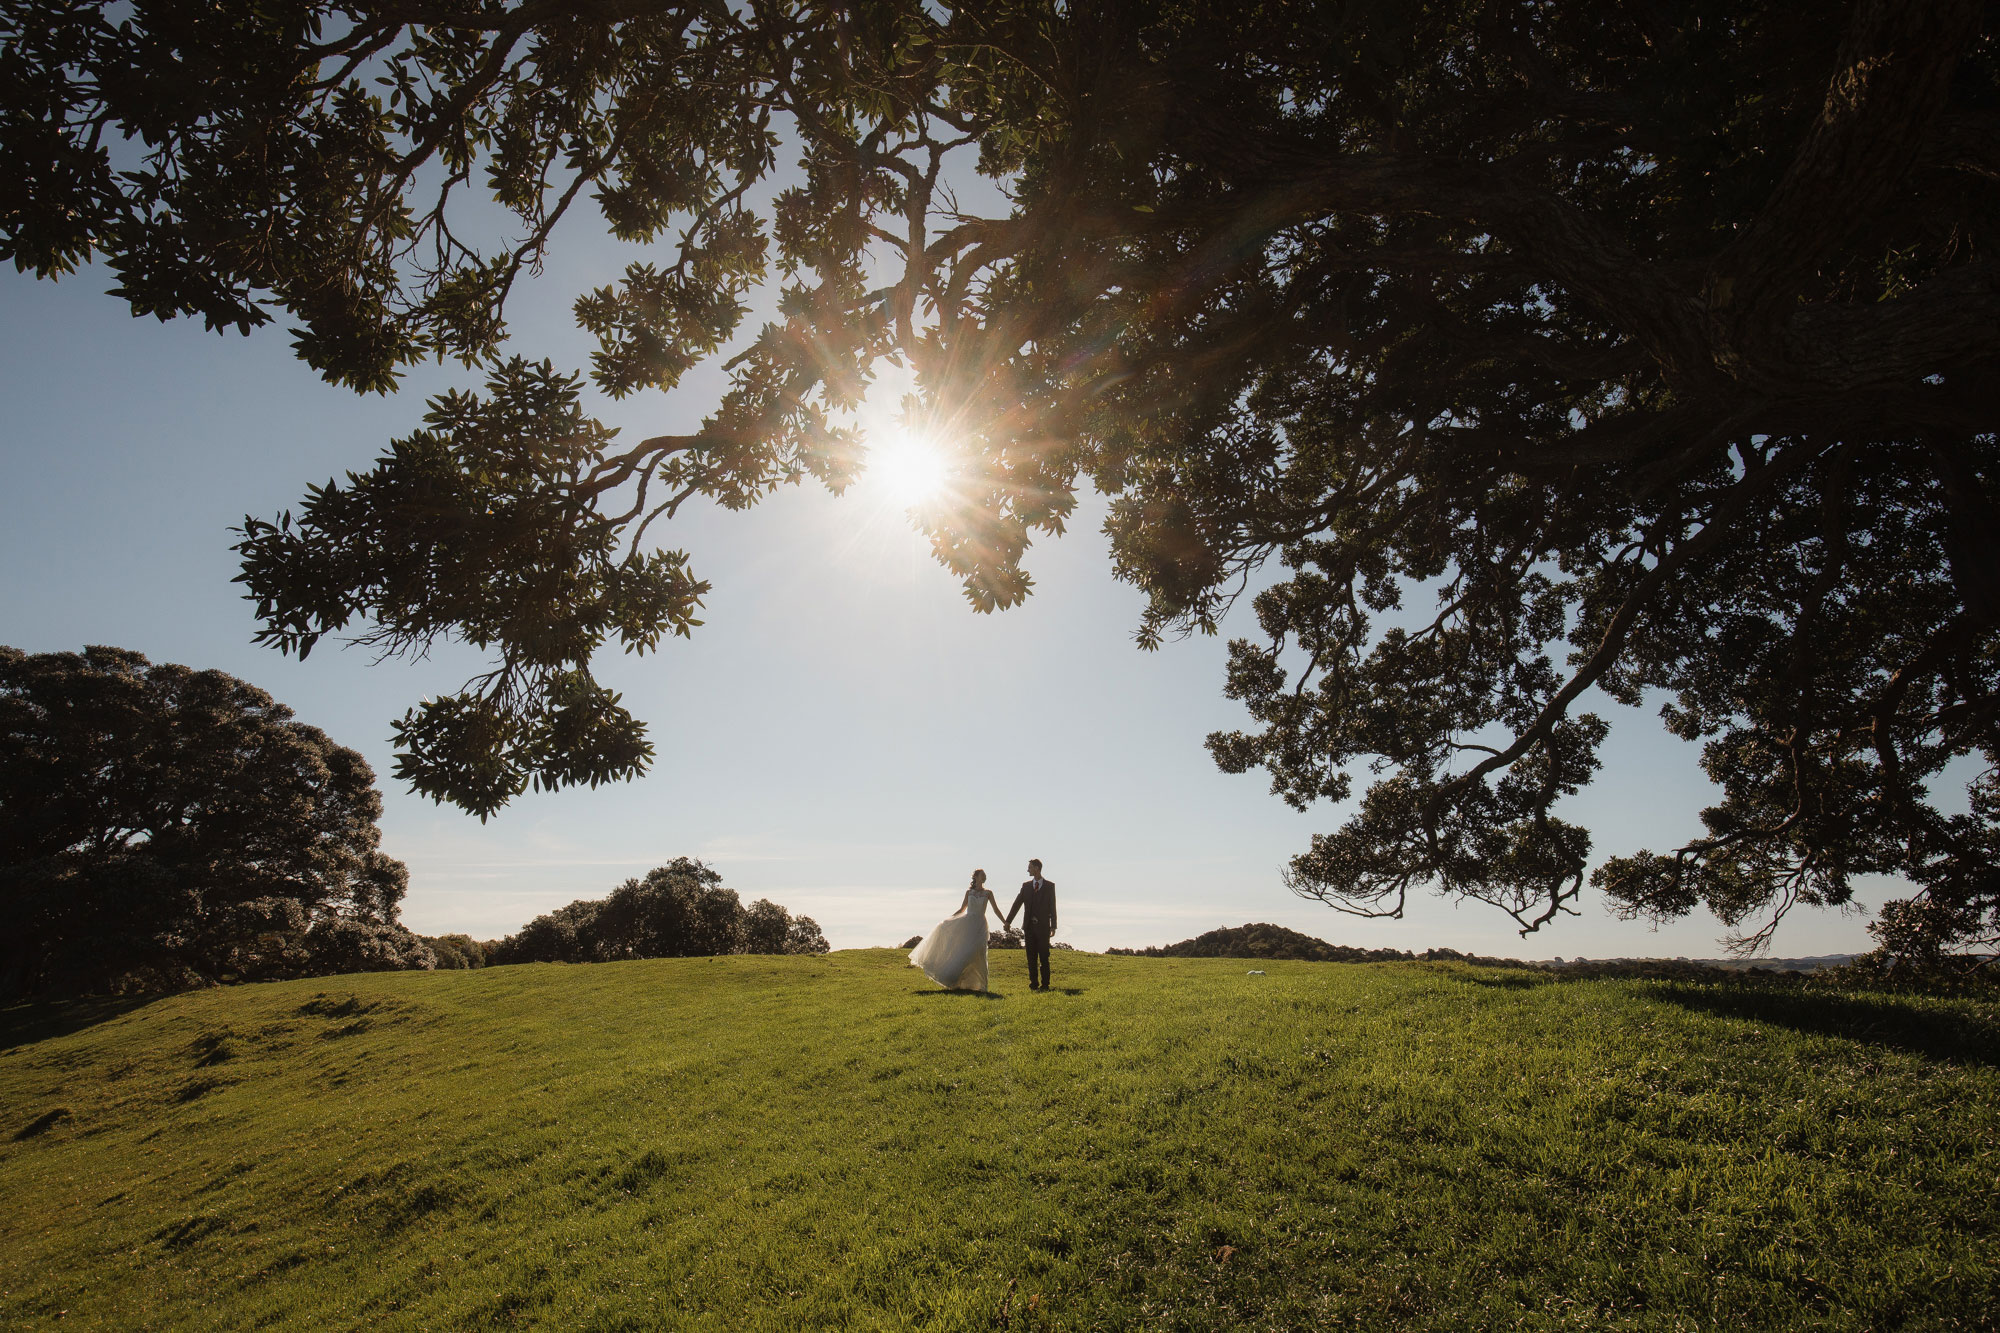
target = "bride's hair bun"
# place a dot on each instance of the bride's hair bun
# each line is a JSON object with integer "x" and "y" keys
{"x": 978, "y": 878}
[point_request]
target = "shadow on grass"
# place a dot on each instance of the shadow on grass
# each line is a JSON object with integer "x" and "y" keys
{"x": 1873, "y": 1020}
{"x": 1886, "y": 1020}
{"x": 963, "y": 994}
{"x": 39, "y": 1020}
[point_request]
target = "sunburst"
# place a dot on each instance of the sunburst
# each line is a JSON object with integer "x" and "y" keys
{"x": 910, "y": 469}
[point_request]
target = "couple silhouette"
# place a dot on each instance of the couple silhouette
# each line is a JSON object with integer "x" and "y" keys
{"x": 954, "y": 953}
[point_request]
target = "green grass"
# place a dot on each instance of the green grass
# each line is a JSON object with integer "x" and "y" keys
{"x": 766, "y": 1143}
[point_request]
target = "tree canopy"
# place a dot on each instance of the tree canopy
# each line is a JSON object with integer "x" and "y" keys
{"x": 1652, "y": 348}
{"x": 161, "y": 825}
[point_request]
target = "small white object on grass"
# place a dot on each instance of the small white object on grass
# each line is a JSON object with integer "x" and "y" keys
{"x": 1254, "y": 972}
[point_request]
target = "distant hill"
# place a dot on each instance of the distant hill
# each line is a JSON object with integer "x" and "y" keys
{"x": 1820, "y": 963}
{"x": 1260, "y": 939}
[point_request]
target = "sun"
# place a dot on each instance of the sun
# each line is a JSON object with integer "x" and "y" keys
{"x": 910, "y": 469}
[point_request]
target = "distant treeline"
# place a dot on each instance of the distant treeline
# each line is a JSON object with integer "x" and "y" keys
{"x": 679, "y": 910}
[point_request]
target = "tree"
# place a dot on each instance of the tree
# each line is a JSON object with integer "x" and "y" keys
{"x": 457, "y": 952}
{"x": 765, "y": 926}
{"x": 769, "y": 928}
{"x": 803, "y": 936}
{"x": 1658, "y": 346}
{"x": 337, "y": 944}
{"x": 566, "y": 935}
{"x": 679, "y": 910}
{"x": 160, "y": 825}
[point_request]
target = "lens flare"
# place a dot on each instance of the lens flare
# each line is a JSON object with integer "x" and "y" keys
{"x": 910, "y": 469}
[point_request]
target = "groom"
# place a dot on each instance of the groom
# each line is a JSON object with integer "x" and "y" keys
{"x": 1038, "y": 896}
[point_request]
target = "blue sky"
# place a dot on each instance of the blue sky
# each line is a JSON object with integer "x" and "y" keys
{"x": 843, "y": 735}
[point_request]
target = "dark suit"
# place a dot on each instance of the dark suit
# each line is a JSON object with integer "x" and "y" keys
{"x": 1038, "y": 922}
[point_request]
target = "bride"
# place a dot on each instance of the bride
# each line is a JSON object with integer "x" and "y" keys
{"x": 954, "y": 953}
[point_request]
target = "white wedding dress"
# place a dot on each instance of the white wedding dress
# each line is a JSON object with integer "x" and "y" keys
{"x": 954, "y": 953}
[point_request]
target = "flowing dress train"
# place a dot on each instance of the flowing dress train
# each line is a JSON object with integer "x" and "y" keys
{"x": 954, "y": 953}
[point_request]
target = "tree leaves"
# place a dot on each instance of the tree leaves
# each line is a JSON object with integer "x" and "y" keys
{"x": 484, "y": 527}
{"x": 1540, "y": 312}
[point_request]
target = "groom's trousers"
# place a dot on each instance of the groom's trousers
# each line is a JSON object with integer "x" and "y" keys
{"x": 1037, "y": 943}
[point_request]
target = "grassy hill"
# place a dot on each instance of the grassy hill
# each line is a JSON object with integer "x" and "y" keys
{"x": 788, "y": 1143}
